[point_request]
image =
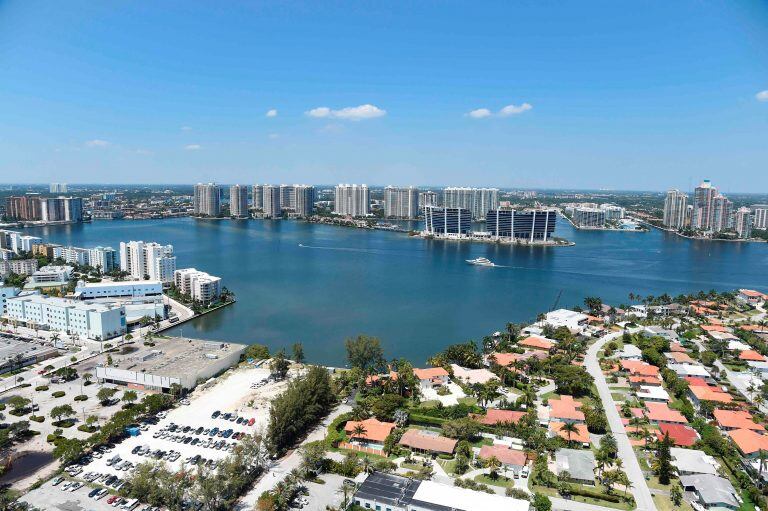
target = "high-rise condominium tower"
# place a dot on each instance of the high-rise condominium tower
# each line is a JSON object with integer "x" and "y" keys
{"x": 352, "y": 200}
{"x": 152, "y": 260}
{"x": 207, "y": 199}
{"x": 238, "y": 201}
{"x": 478, "y": 200}
{"x": 675, "y": 206}
{"x": 703, "y": 206}
{"x": 401, "y": 202}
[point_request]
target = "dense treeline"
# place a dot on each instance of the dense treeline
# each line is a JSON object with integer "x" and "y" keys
{"x": 300, "y": 407}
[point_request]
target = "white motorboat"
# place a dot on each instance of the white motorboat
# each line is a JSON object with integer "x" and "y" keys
{"x": 481, "y": 261}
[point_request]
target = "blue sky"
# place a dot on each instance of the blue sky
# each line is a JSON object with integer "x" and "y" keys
{"x": 618, "y": 95}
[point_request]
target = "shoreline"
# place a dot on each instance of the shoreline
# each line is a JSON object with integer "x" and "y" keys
{"x": 603, "y": 229}
{"x": 695, "y": 238}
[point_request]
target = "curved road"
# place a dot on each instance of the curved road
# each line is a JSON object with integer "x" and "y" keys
{"x": 640, "y": 490}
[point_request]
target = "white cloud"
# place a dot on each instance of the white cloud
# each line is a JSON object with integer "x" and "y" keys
{"x": 193, "y": 147}
{"x": 97, "y": 143}
{"x": 514, "y": 110}
{"x": 762, "y": 95}
{"x": 507, "y": 111}
{"x": 480, "y": 113}
{"x": 186, "y": 128}
{"x": 350, "y": 113}
{"x": 274, "y": 136}
{"x": 272, "y": 112}
{"x": 144, "y": 151}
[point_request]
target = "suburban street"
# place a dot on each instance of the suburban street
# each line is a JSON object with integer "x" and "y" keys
{"x": 640, "y": 490}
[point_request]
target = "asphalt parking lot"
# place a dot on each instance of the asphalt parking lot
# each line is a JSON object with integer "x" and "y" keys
{"x": 51, "y": 497}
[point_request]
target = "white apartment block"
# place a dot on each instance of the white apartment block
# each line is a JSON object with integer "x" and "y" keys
{"x": 352, "y": 200}
{"x": 198, "y": 285}
{"x": 760, "y": 220}
{"x": 258, "y": 197}
{"x": 304, "y": 200}
{"x": 238, "y": 201}
{"x": 613, "y": 213}
{"x": 401, "y": 202}
{"x": 148, "y": 261}
{"x": 6, "y": 292}
{"x": 588, "y": 217}
{"x": 75, "y": 255}
{"x": 675, "y": 209}
{"x": 26, "y": 242}
{"x": 95, "y": 321}
{"x": 104, "y": 258}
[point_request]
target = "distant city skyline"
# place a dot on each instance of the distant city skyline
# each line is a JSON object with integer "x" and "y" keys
{"x": 585, "y": 97}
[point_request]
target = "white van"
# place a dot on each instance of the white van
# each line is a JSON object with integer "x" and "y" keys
{"x": 130, "y": 504}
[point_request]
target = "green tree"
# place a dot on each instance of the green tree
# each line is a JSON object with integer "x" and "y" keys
{"x": 68, "y": 450}
{"x": 676, "y": 495}
{"x": 279, "y": 365}
{"x": 572, "y": 380}
{"x": 365, "y": 353}
{"x": 462, "y": 429}
{"x": 664, "y": 460}
{"x": 105, "y": 394}
{"x": 129, "y": 397}
{"x": 298, "y": 353}
{"x": 18, "y": 403}
{"x": 541, "y": 502}
{"x": 58, "y": 412}
{"x": 569, "y": 428}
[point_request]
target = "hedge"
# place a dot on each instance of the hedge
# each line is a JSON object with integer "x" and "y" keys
{"x": 81, "y": 397}
{"x": 595, "y": 495}
{"x": 417, "y": 418}
{"x": 41, "y": 388}
{"x": 59, "y": 393}
{"x": 37, "y": 418}
{"x": 334, "y": 429}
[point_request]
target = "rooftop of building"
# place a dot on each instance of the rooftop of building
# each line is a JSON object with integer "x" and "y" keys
{"x": 174, "y": 356}
{"x": 10, "y": 347}
{"x": 63, "y": 302}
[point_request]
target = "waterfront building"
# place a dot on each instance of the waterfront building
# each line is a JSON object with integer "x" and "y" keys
{"x": 760, "y": 216}
{"x": 24, "y": 207}
{"x": 61, "y": 209}
{"x": 126, "y": 289}
{"x": 44, "y": 249}
{"x": 612, "y": 212}
{"x": 531, "y": 224}
{"x": 352, "y": 200}
{"x": 238, "y": 201}
{"x": 57, "y": 188}
{"x": 104, "y": 258}
{"x": 675, "y": 209}
{"x": 18, "y": 266}
{"x": 428, "y": 198}
{"x": 75, "y": 255}
{"x": 25, "y": 243}
{"x": 96, "y": 321}
{"x": 722, "y": 214}
{"x": 401, "y": 202}
{"x": 477, "y": 200}
{"x": 304, "y": 200}
{"x": 51, "y": 274}
{"x": 197, "y": 284}
{"x": 452, "y": 222}
{"x": 271, "y": 201}
{"x": 588, "y": 217}
{"x": 287, "y": 198}
{"x": 703, "y": 206}
{"x": 743, "y": 222}
{"x": 148, "y": 261}
{"x": 6, "y": 254}
{"x": 207, "y": 199}
{"x": 258, "y": 197}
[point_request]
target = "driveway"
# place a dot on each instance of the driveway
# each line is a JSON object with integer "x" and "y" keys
{"x": 640, "y": 490}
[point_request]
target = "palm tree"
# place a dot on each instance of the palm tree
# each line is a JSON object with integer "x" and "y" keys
{"x": 494, "y": 464}
{"x": 569, "y": 428}
{"x": 761, "y": 455}
{"x": 359, "y": 431}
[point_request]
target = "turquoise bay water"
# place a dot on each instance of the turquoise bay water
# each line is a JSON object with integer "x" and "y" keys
{"x": 416, "y": 295}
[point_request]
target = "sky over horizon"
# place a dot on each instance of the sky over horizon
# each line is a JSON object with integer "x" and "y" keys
{"x": 589, "y": 95}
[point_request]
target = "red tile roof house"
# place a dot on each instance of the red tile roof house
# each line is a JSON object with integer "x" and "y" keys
{"x": 751, "y": 296}
{"x": 638, "y": 368}
{"x": 749, "y": 442}
{"x": 751, "y": 355}
{"x": 566, "y": 409}
{"x": 661, "y": 413}
{"x": 581, "y": 435}
{"x": 638, "y": 381}
{"x": 537, "y": 343}
{"x": 426, "y": 443}
{"x": 375, "y": 431}
{"x": 679, "y": 358}
{"x": 681, "y": 435}
{"x": 728, "y": 420}
{"x": 512, "y": 459}
{"x": 700, "y": 393}
{"x": 432, "y": 377}
{"x": 495, "y": 416}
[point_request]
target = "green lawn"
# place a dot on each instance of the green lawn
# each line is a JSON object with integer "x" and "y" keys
{"x": 551, "y": 492}
{"x": 499, "y": 481}
{"x": 430, "y": 404}
{"x": 469, "y": 401}
{"x": 664, "y": 504}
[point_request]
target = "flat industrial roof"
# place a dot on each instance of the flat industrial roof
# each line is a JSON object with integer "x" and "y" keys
{"x": 171, "y": 357}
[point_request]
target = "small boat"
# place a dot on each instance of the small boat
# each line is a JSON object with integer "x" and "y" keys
{"x": 481, "y": 261}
